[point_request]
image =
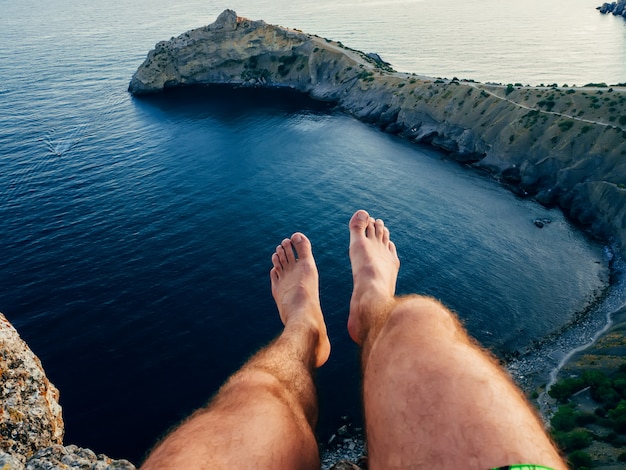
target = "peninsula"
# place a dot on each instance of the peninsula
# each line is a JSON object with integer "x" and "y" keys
{"x": 562, "y": 145}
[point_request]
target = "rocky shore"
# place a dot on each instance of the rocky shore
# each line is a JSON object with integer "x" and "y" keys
{"x": 615, "y": 8}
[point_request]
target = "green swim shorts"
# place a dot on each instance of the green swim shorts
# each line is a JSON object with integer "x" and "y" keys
{"x": 522, "y": 466}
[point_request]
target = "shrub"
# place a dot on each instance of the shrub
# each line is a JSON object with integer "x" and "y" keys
{"x": 583, "y": 419}
{"x": 565, "y": 388}
{"x": 618, "y": 416}
{"x": 509, "y": 88}
{"x": 549, "y": 104}
{"x": 620, "y": 386}
{"x": 572, "y": 441}
{"x": 606, "y": 395}
{"x": 565, "y": 125}
{"x": 580, "y": 459}
{"x": 564, "y": 419}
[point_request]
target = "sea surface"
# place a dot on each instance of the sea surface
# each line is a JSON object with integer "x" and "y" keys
{"x": 136, "y": 234}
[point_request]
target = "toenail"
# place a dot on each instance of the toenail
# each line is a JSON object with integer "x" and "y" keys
{"x": 297, "y": 238}
{"x": 362, "y": 216}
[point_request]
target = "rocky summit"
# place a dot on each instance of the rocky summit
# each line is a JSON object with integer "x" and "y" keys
{"x": 563, "y": 145}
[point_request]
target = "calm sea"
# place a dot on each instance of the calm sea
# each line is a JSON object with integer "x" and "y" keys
{"x": 136, "y": 234}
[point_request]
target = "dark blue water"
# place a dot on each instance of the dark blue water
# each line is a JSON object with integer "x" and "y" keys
{"x": 137, "y": 233}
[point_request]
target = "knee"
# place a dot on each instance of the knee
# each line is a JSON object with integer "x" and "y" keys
{"x": 422, "y": 315}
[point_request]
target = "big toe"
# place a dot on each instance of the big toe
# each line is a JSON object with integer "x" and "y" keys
{"x": 302, "y": 245}
{"x": 359, "y": 222}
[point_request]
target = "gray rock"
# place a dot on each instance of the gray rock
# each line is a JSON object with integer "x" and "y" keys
{"x": 8, "y": 462}
{"x": 59, "y": 457}
{"x": 30, "y": 414}
{"x": 31, "y": 426}
{"x": 616, "y": 8}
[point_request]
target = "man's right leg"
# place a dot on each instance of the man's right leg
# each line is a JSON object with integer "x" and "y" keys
{"x": 432, "y": 397}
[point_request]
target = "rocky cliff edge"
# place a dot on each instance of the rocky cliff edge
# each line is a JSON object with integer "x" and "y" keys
{"x": 31, "y": 425}
{"x": 563, "y": 145}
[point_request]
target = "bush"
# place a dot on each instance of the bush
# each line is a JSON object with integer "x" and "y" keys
{"x": 565, "y": 388}
{"x": 583, "y": 419}
{"x": 618, "y": 416}
{"x": 549, "y": 104}
{"x": 606, "y": 395}
{"x": 620, "y": 386}
{"x": 564, "y": 419}
{"x": 595, "y": 378}
{"x": 565, "y": 125}
{"x": 580, "y": 459}
{"x": 574, "y": 440}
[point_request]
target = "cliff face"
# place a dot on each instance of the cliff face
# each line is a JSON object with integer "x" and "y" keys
{"x": 31, "y": 426}
{"x": 564, "y": 146}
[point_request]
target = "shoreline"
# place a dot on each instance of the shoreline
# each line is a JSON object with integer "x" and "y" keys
{"x": 538, "y": 368}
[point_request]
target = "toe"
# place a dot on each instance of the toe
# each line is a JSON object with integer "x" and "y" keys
{"x": 302, "y": 245}
{"x": 288, "y": 249}
{"x": 282, "y": 256}
{"x": 386, "y": 236}
{"x": 278, "y": 267}
{"x": 379, "y": 229}
{"x": 359, "y": 222}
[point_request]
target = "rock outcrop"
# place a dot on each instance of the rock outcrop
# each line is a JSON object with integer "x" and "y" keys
{"x": 565, "y": 146}
{"x": 31, "y": 425}
{"x": 616, "y": 8}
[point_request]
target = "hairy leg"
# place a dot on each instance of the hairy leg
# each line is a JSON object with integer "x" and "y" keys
{"x": 433, "y": 398}
{"x": 263, "y": 416}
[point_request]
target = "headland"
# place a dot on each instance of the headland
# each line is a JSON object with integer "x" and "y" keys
{"x": 561, "y": 145}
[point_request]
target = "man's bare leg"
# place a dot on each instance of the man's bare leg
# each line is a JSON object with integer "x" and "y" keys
{"x": 263, "y": 417}
{"x": 432, "y": 397}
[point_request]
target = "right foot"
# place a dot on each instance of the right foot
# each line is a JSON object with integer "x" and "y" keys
{"x": 375, "y": 266}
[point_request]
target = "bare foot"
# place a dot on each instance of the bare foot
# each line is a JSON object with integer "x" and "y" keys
{"x": 295, "y": 288}
{"x": 375, "y": 266}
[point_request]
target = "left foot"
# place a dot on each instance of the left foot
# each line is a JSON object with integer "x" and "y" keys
{"x": 295, "y": 288}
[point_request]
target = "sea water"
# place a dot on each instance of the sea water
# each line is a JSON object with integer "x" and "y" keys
{"x": 136, "y": 234}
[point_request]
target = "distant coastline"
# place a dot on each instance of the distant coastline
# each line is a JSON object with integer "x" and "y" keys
{"x": 563, "y": 146}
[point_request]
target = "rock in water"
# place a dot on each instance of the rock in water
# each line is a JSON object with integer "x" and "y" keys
{"x": 30, "y": 414}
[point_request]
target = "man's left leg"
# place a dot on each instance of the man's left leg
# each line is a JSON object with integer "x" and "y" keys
{"x": 263, "y": 416}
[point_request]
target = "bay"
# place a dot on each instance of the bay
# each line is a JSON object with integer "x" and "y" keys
{"x": 137, "y": 233}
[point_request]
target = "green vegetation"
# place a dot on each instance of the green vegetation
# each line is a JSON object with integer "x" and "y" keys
{"x": 566, "y": 125}
{"x": 509, "y": 88}
{"x": 366, "y": 76}
{"x": 548, "y": 103}
{"x": 575, "y": 429}
{"x": 285, "y": 64}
